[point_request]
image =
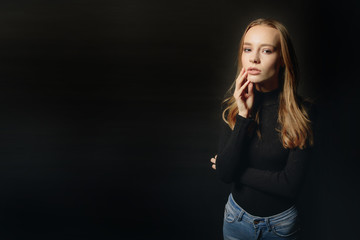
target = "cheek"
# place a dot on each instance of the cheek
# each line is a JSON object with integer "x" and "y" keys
{"x": 273, "y": 65}
{"x": 243, "y": 60}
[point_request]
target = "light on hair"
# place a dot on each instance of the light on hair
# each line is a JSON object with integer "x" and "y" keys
{"x": 294, "y": 120}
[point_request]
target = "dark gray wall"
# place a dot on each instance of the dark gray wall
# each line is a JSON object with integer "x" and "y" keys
{"x": 110, "y": 109}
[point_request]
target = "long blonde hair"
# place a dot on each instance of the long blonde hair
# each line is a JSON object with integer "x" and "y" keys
{"x": 293, "y": 118}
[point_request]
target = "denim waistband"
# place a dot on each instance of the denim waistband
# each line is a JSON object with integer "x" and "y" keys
{"x": 291, "y": 212}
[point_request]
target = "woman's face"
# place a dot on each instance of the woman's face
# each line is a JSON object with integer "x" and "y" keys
{"x": 261, "y": 56}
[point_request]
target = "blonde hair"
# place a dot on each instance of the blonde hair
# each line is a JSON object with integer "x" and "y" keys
{"x": 293, "y": 118}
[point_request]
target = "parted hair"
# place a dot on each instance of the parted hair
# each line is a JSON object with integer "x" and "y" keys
{"x": 295, "y": 125}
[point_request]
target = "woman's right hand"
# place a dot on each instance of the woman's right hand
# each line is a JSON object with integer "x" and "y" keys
{"x": 244, "y": 94}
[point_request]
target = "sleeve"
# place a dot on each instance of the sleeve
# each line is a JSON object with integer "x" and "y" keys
{"x": 286, "y": 182}
{"x": 230, "y": 152}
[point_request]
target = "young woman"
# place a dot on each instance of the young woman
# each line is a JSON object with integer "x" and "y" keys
{"x": 266, "y": 138}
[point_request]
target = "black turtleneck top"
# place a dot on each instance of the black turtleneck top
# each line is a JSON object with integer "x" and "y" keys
{"x": 265, "y": 176}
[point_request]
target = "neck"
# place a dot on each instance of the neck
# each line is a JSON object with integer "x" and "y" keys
{"x": 267, "y": 86}
{"x": 267, "y": 98}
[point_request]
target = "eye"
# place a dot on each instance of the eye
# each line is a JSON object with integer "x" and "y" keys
{"x": 267, "y": 51}
{"x": 247, "y": 50}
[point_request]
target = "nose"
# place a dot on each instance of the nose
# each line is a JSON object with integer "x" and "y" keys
{"x": 255, "y": 58}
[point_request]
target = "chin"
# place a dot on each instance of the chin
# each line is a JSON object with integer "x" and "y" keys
{"x": 255, "y": 79}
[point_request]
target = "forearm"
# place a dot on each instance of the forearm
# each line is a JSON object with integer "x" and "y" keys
{"x": 231, "y": 154}
{"x": 286, "y": 182}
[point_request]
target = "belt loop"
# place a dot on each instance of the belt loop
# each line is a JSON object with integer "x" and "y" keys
{"x": 268, "y": 224}
{"x": 241, "y": 215}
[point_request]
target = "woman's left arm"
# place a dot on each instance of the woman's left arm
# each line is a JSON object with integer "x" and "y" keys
{"x": 286, "y": 182}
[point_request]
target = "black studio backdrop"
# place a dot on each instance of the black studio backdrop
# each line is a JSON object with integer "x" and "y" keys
{"x": 110, "y": 113}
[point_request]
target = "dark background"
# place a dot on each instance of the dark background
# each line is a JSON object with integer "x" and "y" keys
{"x": 110, "y": 113}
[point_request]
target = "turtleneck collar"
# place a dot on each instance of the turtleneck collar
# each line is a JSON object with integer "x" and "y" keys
{"x": 267, "y": 98}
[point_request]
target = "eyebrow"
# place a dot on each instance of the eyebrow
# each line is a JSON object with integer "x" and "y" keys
{"x": 264, "y": 44}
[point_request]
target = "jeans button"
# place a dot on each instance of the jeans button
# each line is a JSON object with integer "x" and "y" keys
{"x": 256, "y": 221}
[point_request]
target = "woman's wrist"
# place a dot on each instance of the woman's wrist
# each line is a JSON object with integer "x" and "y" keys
{"x": 244, "y": 114}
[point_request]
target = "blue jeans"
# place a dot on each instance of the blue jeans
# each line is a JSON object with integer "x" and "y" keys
{"x": 240, "y": 225}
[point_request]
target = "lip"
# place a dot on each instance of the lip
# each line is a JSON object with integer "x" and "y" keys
{"x": 253, "y": 71}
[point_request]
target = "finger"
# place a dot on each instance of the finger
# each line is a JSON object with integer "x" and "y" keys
{"x": 215, "y": 156}
{"x": 238, "y": 91}
{"x": 240, "y": 79}
{"x": 213, "y": 160}
{"x": 250, "y": 90}
{"x": 243, "y": 87}
{"x": 251, "y": 87}
{"x": 241, "y": 72}
{"x": 214, "y": 166}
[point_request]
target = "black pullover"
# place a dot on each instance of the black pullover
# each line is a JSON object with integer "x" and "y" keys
{"x": 265, "y": 176}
